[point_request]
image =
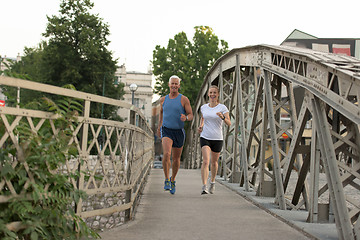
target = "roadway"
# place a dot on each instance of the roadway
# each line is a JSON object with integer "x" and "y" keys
{"x": 226, "y": 214}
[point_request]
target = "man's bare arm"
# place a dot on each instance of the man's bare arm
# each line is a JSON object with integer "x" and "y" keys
{"x": 160, "y": 116}
{"x": 188, "y": 109}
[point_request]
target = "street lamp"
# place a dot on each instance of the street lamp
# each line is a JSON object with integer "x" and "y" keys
{"x": 133, "y": 87}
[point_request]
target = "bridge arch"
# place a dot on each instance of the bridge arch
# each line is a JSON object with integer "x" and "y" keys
{"x": 302, "y": 107}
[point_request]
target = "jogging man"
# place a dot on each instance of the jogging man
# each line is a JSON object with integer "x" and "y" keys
{"x": 175, "y": 109}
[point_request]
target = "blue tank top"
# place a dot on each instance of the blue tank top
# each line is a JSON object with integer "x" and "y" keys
{"x": 172, "y": 110}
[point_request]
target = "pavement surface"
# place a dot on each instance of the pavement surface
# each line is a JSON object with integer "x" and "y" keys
{"x": 229, "y": 213}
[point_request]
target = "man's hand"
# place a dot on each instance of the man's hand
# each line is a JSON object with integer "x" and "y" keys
{"x": 183, "y": 117}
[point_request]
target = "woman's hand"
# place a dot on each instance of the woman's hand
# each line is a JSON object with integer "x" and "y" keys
{"x": 220, "y": 115}
{"x": 200, "y": 129}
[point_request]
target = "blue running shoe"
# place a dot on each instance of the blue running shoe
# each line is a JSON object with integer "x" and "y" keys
{"x": 172, "y": 190}
{"x": 167, "y": 185}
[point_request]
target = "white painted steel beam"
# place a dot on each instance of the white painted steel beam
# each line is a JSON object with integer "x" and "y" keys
{"x": 334, "y": 80}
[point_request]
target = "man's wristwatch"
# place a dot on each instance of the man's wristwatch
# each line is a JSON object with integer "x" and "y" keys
{"x": 187, "y": 117}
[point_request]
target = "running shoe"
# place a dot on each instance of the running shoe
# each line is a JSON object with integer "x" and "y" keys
{"x": 212, "y": 187}
{"x": 204, "y": 190}
{"x": 172, "y": 190}
{"x": 167, "y": 185}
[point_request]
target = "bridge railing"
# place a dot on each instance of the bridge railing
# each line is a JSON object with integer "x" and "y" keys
{"x": 295, "y": 129}
{"x": 116, "y": 165}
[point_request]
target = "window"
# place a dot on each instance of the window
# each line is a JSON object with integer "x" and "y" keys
{"x": 136, "y": 102}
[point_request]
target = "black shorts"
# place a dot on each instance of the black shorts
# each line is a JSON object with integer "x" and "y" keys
{"x": 177, "y": 135}
{"x": 215, "y": 145}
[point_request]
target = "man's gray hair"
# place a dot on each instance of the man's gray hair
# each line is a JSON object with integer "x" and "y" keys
{"x": 174, "y": 76}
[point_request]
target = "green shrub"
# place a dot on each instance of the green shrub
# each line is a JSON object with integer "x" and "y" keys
{"x": 45, "y": 201}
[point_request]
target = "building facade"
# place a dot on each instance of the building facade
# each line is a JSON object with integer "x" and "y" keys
{"x": 5, "y": 63}
{"x": 347, "y": 46}
{"x": 142, "y": 96}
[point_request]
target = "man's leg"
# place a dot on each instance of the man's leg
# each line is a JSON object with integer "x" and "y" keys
{"x": 176, "y": 156}
{"x": 167, "y": 145}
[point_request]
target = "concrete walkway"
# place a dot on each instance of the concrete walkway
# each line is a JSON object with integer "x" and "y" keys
{"x": 189, "y": 215}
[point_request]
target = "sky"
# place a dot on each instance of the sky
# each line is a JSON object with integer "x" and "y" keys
{"x": 137, "y": 26}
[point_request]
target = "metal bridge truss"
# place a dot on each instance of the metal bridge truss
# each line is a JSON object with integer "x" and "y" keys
{"x": 116, "y": 166}
{"x": 311, "y": 160}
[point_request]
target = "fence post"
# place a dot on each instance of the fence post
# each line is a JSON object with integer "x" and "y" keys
{"x": 83, "y": 153}
{"x": 128, "y": 193}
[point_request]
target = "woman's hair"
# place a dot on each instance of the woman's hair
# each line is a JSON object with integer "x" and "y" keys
{"x": 218, "y": 90}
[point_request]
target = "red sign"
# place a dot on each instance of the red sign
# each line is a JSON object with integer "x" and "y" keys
{"x": 285, "y": 136}
{"x": 345, "y": 51}
{"x": 2, "y": 103}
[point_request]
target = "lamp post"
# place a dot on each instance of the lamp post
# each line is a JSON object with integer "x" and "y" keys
{"x": 133, "y": 87}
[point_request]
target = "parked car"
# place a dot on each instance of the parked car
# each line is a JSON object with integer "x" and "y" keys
{"x": 157, "y": 164}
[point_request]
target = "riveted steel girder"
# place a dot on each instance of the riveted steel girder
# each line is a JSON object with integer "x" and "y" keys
{"x": 295, "y": 127}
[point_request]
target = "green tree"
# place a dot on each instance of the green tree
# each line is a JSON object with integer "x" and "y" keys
{"x": 189, "y": 60}
{"x": 43, "y": 206}
{"x": 30, "y": 65}
{"x": 29, "y": 68}
{"x": 76, "y": 53}
{"x": 171, "y": 60}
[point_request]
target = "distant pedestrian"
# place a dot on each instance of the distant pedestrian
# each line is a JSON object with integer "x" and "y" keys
{"x": 175, "y": 109}
{"x": 213, "y": 114}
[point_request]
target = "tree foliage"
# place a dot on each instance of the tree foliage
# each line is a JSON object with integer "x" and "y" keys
{"x": 43, "y": 207}
{"x": 29, "y": 68}
{"x": 189, "y": 60}
{"x": 75, "y": 53}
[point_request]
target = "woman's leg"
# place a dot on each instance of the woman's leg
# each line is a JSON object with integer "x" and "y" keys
{"x": 214, "y": 168}
{"x": 214, "y": 165}
{"x": 205, "y": 150}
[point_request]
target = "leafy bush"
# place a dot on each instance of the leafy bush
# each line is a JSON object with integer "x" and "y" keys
{"x": 43, "y": 207}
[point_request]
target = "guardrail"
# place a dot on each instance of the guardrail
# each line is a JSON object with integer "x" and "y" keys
{"x": 117, "y": 166}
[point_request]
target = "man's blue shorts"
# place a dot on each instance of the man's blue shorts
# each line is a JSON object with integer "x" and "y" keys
{"x": 177, "y": 135}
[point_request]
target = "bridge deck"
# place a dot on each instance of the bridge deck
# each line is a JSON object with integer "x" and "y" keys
{"x": 190, "y": 215}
